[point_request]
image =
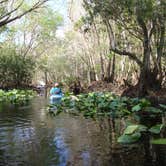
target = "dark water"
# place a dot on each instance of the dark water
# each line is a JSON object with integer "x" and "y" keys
{"x": 31, "y": 137}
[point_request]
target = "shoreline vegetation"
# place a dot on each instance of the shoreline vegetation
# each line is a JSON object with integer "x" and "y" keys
{"x": 138, "y": 113}
{"x": 15, "y": 96}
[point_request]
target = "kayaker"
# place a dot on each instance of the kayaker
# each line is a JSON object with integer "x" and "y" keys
{"x": 55, "y": 90}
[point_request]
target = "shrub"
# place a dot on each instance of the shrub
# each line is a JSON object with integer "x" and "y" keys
{"x": 15, "y": 70}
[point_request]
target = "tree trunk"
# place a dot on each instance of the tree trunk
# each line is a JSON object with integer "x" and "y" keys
{"x": 157, "y": 71}
{"x": 145, "y": 74}
{"x": 102, "y": 67}
{"x": 108, "y": 72}
{"x": 151, "y": 79}
{"x": 113, "y": 69}
{"x": 46, "y": 79}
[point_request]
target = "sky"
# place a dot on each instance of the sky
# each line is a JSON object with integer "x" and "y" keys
{"x": 61, "y": 7}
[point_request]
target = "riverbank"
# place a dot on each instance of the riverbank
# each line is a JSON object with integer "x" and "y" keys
{"x": 156, "y": 97}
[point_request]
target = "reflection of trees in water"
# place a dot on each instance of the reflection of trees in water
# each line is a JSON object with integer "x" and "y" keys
{"x": 139, "y": 154}
{"x": 24, "y": 139}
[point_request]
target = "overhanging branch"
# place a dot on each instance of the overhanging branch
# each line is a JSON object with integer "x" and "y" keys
{"x": 34, "y": 7}
{"x": 129, "y": 54}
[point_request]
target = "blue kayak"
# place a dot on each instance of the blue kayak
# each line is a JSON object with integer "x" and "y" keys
{"x": 56, "y": 97}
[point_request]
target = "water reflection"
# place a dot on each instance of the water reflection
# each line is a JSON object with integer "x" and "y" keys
{"x": 61, "y": 147}
{"x": 29, "y": 136}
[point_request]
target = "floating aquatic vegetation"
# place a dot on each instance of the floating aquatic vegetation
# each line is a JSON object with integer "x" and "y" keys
{"x": 98, "y": 104}
{"x": 16, "y": 96}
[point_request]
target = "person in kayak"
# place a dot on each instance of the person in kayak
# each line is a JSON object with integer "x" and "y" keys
{"x": 55, "y": 90}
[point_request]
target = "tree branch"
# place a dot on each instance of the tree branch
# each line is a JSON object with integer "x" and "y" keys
{"x": 34, "y": 7}
{"x": 129, "y": 54}
{"x": 12, "y": 11}
{"x": 1, "y": 2}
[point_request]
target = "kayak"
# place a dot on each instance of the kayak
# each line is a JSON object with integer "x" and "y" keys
{"x": 56, "y": 97}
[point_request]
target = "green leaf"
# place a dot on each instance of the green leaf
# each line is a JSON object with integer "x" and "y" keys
{"x": 131, "y": 129}
{"x": 126, "y": 111}
{"x": 156, "y": 129}
{"x": 163, "y": 106}
{"x": 161, "y": 141}
{"x": 126, "y": 139}
{"x": 153, "y": 110}
{"x": 136, "y": 108}
{"x": 142, "y": 128}
{"x": 144, "y": 103}
{"x": 136, "y": 117}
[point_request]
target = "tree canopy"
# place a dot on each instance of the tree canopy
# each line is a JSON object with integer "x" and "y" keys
{"x": 11, "y": 10}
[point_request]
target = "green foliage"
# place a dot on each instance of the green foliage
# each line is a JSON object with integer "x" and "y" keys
{"x": 153, "y": 110}
{"x": 2, "y": 96}
{"x": 130, "y": 129}
{"x": 136, "y": 108}
{"x": 133, "y": 132}
{"x": 143, "y": 103}
{"x": 161, "y": 141}
{"x": 163, "y": 107}
{"x": 106, "y": 104}
{"x": 48, "y": 22}
{"x": 156, "y": 129}
{"x": 15, "y": 70}
{"x": 126, "y": 139}
{"x": 16, "y": 96}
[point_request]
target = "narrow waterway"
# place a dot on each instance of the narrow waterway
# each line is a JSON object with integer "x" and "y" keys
{"x": 30, "y": 136}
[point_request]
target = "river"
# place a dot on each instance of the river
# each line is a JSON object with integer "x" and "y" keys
{"x": 29, "y": 136}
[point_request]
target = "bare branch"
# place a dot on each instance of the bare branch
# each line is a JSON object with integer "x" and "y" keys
{"x": 12, "y": 11}
{"x": 129, "y": 54}
{"x": 1, "y": 2}
{"x": 9, "y": 20}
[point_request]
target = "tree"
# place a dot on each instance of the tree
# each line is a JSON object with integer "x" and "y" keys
{"x": 28, "y": 39}
{"x": 38, "y": 31}
{"x": 15, "y": 70}
{"x": 11, "y": 10}
{"x": 143, "y": 21}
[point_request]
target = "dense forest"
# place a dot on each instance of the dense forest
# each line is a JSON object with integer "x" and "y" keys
{"x": 119, "y": 42}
